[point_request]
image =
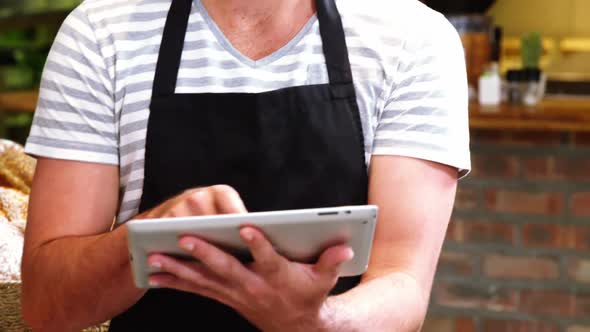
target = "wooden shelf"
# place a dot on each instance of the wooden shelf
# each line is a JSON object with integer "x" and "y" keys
{"x": 571, "y": 115}
{"x": 29, "y": 20}
{"x": 18, "y": 101}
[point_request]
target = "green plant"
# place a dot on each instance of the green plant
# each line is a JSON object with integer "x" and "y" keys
{"x": 34, "y": 60}
{"x": 15, "y": 126}
{"x": 531, "y": 50}
{"x": 19, "y": 120}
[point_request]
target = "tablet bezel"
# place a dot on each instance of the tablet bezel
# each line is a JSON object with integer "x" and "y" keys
{"x": 298, "y": 234}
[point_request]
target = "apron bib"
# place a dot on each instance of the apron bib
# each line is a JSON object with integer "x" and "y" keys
{"x": 294, "y": 148}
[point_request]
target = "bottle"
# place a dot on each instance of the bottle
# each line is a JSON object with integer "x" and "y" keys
{"x": 490, "y": 86}
{"x": 490, "y": 82}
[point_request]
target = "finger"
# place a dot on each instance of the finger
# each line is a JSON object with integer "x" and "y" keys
{"x": 179, "y": 209}
{"x": 199, "y": 203}
{"x": 331, "y": 260}
{"x": 227, "y": 200}
{"x": 191, "y": 203}
{"x": 190, "y": 272}
{"x": 170, "y": 208}
{"x": 156, "y": 212}
{"x": 262, "y": 250}
{"x": 216, "y": 260}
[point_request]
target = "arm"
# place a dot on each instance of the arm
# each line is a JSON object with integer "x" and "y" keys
{"x": 68, "y": 244}
{"x": 415, "y": 199}
{"x": 428, "y": 104}
{"x": 69, "y": 248}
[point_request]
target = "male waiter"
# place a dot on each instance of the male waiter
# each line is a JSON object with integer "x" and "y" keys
{"x": 169, "y": 108}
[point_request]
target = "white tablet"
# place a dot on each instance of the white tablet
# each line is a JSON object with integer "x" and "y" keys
{"x": 299, "y": 235}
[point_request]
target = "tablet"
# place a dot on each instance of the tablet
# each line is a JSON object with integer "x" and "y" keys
{"x": 299, "y": 235}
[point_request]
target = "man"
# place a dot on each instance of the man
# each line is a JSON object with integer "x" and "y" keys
{"x": 159, "y": 108}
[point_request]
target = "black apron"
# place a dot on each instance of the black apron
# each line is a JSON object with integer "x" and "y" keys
{"x": 294, "y": 148}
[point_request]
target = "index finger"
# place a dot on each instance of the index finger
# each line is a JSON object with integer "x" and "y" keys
{"x": 227, "y": 200}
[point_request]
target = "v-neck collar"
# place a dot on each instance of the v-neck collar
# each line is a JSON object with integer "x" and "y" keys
{"x": 226, "y": 44}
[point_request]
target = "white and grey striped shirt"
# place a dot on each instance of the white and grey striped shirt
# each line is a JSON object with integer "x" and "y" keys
{"x": 407, "y": 63}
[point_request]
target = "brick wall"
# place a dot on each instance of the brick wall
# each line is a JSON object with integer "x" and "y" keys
{"x": 517, "y": 254}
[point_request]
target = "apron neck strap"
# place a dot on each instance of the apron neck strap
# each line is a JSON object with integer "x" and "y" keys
{"x": 334, "y": 42}
{"x": 171, "y": 48}
{"x": 170, "y": 55}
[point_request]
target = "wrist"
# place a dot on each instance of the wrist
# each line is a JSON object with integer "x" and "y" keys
{"x": 124, "y": 265}
{"x": 335, "y": 316}
{"x": 322, "y": 320}
{"x": 325, "y": 320}
{"x": 319, "y": 320}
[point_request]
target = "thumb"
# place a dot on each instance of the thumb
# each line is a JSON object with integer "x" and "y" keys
{"x": 331, "y": 260}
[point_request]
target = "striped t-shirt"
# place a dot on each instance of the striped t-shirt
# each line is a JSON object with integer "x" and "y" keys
{"x": 407, "y": 61}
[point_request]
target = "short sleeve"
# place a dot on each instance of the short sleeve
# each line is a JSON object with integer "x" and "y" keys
{"x": 75, "y": 118}
{"x": 426, "y": 113}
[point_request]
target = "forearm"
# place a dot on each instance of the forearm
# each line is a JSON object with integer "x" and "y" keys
{"x": 72, "y": 283}
{"x": 395, "y": 291}
{"x": 395, "y": 302}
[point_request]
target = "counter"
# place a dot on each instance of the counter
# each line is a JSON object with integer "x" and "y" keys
{"x": 571, "y": 115}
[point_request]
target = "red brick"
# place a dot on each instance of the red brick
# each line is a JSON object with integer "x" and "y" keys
{"x": 558, "y": 236}
{"x": 557, "y": 168}
{"x": 581, "y": 204}
{"x": 465, "y": 324}
{"x": 473, "y": 297}
{"x": 535, "y": 138}
{"x": 510, "y": 267}
{"x": 518, "y": 326}
{"x": 540, "y": 168}
{"x": 451, "y": 229}
{"x": 582, "y": 305}
{"x": 455, "y": 263}
{"x": 494, "y": 166}
{"x": 545, "y": 235}
{"x": 438, "y": 324}
{"x": 481, "y": 232}
{"x": 448, "y": 324}
{"x": 575, "y": 169}
{"x": 579, "y": 269}
{"x": 466, "y": 198}
{"x": 547, "y": 302}
{"x": 489, "y": 232}
{"x": 456, "y": 230}
{"x": 541, "y": 203}
{"x": 581, "y": 237}
{"x": 578, "y": 328}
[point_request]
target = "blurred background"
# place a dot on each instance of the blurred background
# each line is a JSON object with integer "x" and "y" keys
{"x": 27, "y": 30}
{"x": 517, "y": 254}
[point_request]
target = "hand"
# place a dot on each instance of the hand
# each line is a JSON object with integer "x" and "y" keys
{"x": 272, "y": 292}
{"x": 220, "y": 199}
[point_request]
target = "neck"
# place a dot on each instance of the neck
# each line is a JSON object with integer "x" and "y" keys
{"x": 259, "y": 27}
{"x": 250, "y": 14}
